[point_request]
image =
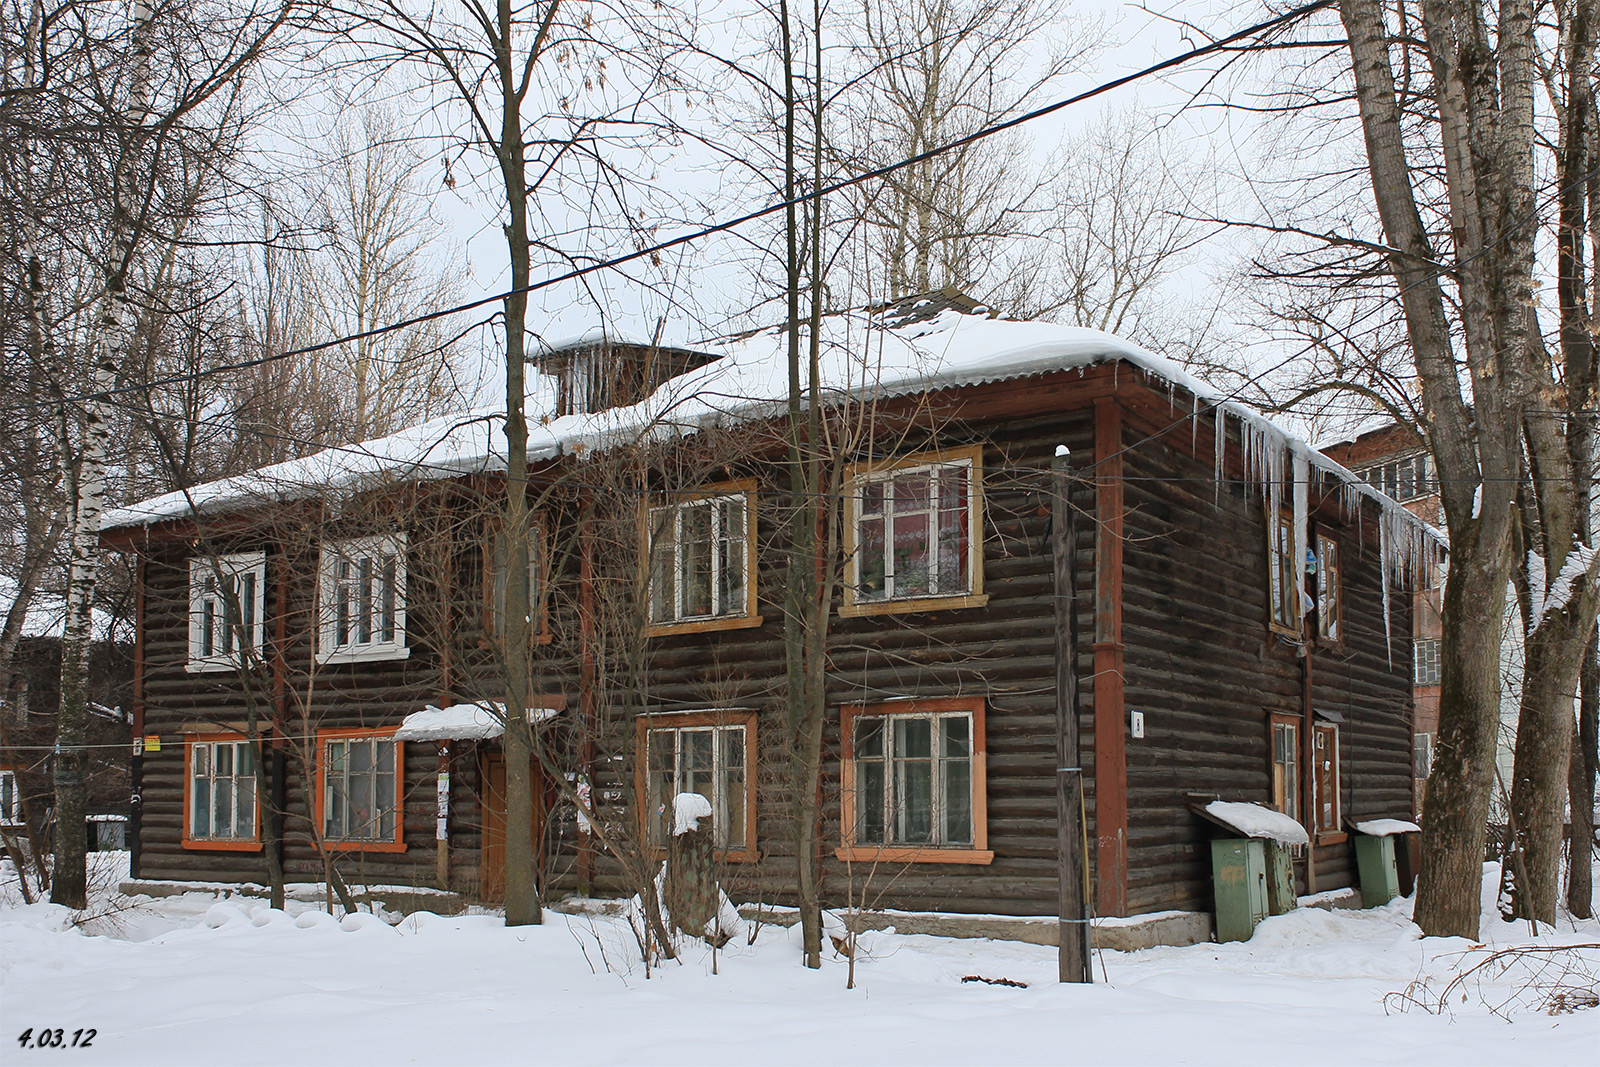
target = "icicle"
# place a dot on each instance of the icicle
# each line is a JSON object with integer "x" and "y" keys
{"x": 1194, "y": 425}
{"x": 1302, "y": 495}
{"x": 1383, "y": 573}
{"x": 1222, "y": 452}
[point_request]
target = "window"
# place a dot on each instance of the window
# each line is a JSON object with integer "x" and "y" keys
{"x": 1425, "y": 655}
{"x": 10, "y": 799}
{"x": 220, "y": 794}
{"x": 1404, "y": 478}
{"x": 1286, "y": 765}
{"x": 1325, "y": 777}
{"x": 916, "y": 534}
{"x": 710, "y": 753}
{"x": 1330, "y": 606}
{"x": 359, "y": 789}
{"x": 914, "y": 785}
{"x": 363, "y": 599}
{"x": 227, "y": 612}
{"x": 1283, "y": 575}
{"x": 702, "y": 559}
{"x": 538, "y": 578}
{"x": 1421, "y": 755}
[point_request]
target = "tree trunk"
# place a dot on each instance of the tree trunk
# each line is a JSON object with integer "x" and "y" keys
{"x": 690, "y": 887}
{"x": 1580, "y": 785}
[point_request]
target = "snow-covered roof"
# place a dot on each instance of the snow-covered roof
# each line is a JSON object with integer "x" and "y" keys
{"x": 863, "y": 355}
{"x": 1387, "y": 827}
{"x": 1253, "y": 820}
{"x": 462, "y": 722}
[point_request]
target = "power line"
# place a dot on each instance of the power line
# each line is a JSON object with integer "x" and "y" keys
{"x": 1219, "y": 45}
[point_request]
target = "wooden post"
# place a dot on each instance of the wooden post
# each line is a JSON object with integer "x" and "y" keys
{"x": 1071, "y": 847}
{"x": 1110, "y": 715}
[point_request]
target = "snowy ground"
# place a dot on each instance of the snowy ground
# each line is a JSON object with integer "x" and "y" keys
{"x": 201, "y": 980}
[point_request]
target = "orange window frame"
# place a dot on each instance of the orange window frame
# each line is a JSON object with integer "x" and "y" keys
{"x": 750, "y": 616}
{"x": 357, "y": 733}
{"x": 491, "y": 534}
{"x": 209, "y": 844}
{"x": 667, "y": 721}
{"x": 858, "y": 475}
{"x": 850, "y": 850}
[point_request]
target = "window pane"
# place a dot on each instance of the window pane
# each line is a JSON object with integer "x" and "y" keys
{"x": 390, "y": 597}
{"x": 955, "y": 732}
{"x": 869, "y": 802}
{"x": 871, "y": 578}
{"x": 200, "y": 804}
{"x": 222, "y": 805}
{"x": 695, "y": 560}
{"x": 731, "y": 559}
{"x": 660, "y": 780}
{"x": 913, "y": 788}
{"x": 872, "y": 497}
{"x": 912, "y": 492}
{"x": 731, "y": 828}
{"x": 913, "y": 738}
{"x": 244, "y": 820}
{"x": 957, "y": 791}
{"x": 202, "y": 760}
{"x": 911, "y": 554}
{"x": 954, "y": 534}
{"x": 364, "y": 603}
{"x": 663, "y": 595}
{"x": 224, "y": 760}
{"x": 696, "y": 763}
{"x": 869, "y": 737}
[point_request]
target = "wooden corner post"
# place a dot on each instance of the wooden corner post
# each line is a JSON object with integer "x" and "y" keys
{"x": 1072, "y": 844}
{"x": 1110, "y": 749}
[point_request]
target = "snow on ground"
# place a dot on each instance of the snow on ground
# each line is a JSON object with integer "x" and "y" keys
{"x": 197, "y": 979}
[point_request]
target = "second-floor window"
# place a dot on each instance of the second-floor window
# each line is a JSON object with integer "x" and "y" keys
{"x": 227, "y": 613}
{"x": 1282, "y": 575}
{"x": 700, "y": 559}
{"x": 363, "y": 599}
{"x": 1330, "y": 603}
{"x": 1404, "y": 478}
{"x": 916, "y": 531}
{"x": 1426, "y": 655}
{"x": 538, "y": 610}
{"x": 10, "y": 799}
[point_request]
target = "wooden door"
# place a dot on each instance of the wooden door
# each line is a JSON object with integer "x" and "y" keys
{"x": 493, "y": 800}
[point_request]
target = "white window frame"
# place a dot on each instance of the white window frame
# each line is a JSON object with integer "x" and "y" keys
{"x": 967, "y": 460}
{"x": 893, "y": 806}
{"x": 237, "y": 747}
{"x": 1285, "y": 593}
{"x": 1287, "y": 773}
{"x": 1426, "y": 661}
{"x": 663, "y": 732}
{"x": 10, "y": 798}
{"x": 365, "y": 611}
{"x": 1330, "y": 590}
{"x": 1316, "y": 823}
{"x": 664, "y": 531}
{"x": 217, "y": 642}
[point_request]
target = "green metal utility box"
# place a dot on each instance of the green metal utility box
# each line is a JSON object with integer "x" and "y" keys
{"x": 1240, "y": 869}
{"x": 1380, "y": 882}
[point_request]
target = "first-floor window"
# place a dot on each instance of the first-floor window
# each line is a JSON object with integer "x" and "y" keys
{"x": 1325, "y": 776}
{"x": 913, "y": 778}
{"x": 1421, "y": 755}
{"x": 226, "y": 610}
{"x": 1286, "y": 766}
{"x": 361, "y": 789}
{"x": 222, "y": 791}
{"x": 10, "y": 798}
{"x": 708, "y": 758}
{"x": 363, "y": 599}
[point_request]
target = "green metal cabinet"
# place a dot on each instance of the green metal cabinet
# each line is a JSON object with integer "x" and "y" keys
{"x": 1240, "y": 869}
{"x": 1380, "y": 881}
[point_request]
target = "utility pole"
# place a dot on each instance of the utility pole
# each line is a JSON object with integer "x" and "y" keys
{"x": 1071, "y": 843}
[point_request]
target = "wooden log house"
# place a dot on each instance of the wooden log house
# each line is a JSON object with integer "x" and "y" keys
{"x": 1240, "y": 597}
